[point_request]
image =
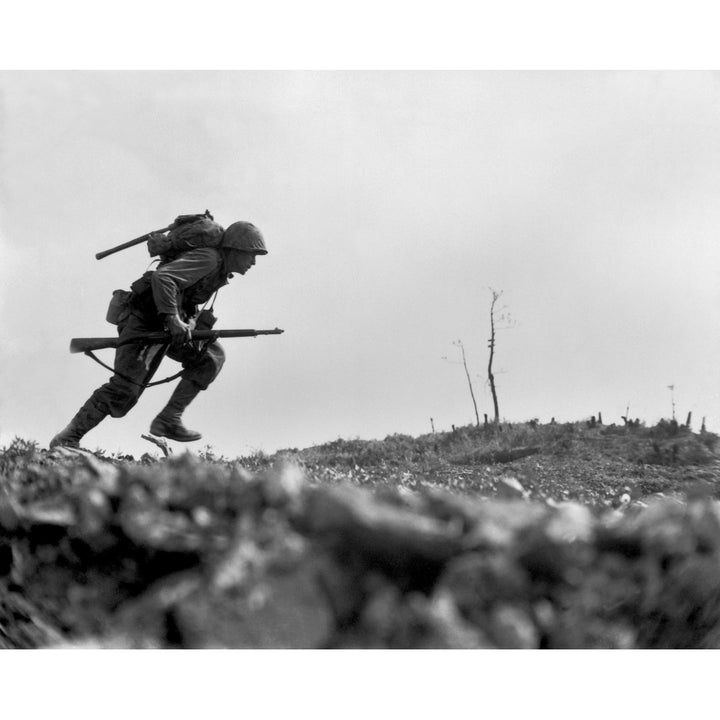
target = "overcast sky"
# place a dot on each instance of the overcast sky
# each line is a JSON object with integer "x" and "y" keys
{"x": 391, "y": 202}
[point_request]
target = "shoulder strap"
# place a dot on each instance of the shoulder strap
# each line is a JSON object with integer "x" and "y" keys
{"x": 212, "y": 304}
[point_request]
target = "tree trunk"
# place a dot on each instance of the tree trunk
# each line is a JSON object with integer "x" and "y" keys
{"x": 472, "y": 394}
{"x": 491, "y": 377}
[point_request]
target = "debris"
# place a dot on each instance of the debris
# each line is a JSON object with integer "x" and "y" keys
{"x": 483, "y": 457}
{"x": 510, "y": 487}
{"x": 162, "y": 444}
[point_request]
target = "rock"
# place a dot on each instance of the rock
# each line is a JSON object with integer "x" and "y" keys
{"x": 510, "y": 488}
{"x": 510, "y": 627}
{"x": 10, "y": 515}
{"x": 94, "y": 516}
{"x": 688, "y": 602}
{"x": 259, "y": 544}
{"x": 391, "y": 536}
{"x": 24, "y": 625}
{"x": 284, "y": 486}
{"x": 501, "y": 522}
{"x": 147, "y": 619}
{"x": 547, "y": 561}
{"x": 705, "y": 521}
{"x": 449, "y": 507}
{"x": 412, "y": 621}
{"x": 476, "y": 581}
{"x": 53, "y": 513}
{"x": 284, "y": 611}
{"x": 345, "y": 584}
{"x": 484, "y": 457}
{"x": 157, "y": 529}
{"x": 570, "y": 522}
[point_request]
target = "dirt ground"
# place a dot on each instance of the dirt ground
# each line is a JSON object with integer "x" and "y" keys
{"x": 522, "y": 536}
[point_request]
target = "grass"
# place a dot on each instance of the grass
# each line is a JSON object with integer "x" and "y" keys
{"x": 593, "y": 464}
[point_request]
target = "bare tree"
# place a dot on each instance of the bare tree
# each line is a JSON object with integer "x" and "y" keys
{"x": 459, "y": 344}
{"x": 467, "y": 374}
{"x": 497, "y": 322}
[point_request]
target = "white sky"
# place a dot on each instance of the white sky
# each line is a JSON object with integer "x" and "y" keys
{"x": 390, "y": 201}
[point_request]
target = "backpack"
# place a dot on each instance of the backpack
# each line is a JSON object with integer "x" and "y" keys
{"x": 187, "y": 232}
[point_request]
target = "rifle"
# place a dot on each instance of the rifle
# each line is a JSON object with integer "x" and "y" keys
{"x": 130, "y": 243}
{"x": 78, "y": 345}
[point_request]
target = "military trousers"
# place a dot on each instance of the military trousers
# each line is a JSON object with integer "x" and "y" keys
{"x": 140, "y": 362}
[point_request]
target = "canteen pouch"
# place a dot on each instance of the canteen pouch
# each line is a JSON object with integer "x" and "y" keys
{"x": 205, "y": 320}
{"x": 119, "y": 306}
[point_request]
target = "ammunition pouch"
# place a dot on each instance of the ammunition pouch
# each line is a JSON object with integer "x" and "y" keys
{"x": 119, "y": 306}
{"x": 205, "y": 320}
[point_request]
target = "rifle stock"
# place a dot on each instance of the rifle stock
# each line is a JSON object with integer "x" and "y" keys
{"x": 129, "y": 243}
{"x": 78, "y": 345}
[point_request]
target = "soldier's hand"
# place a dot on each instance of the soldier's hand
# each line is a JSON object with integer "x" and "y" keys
{"x": 179, "y": 331}
{"x": 158, "y": 244}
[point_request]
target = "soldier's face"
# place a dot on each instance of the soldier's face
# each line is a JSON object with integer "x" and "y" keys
{"x": 239, "y": 262}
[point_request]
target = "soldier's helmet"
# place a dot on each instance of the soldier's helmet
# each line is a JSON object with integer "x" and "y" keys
{"x": 244, "y": 236}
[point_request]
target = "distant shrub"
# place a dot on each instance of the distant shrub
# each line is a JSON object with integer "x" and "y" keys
{"x": 667, "y": 429}
{"x": 255, "y": 461}
{"x": 688, "y": 450}
{"x": 614, "y": 430}
{"x": 208, "y": 455}
{"x": 648, "y": 486}
{"x": 563, "y": 445}
{"x": 709, "y": 440}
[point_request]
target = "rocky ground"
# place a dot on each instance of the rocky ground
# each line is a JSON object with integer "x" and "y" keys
{"x": 523, "y": 536}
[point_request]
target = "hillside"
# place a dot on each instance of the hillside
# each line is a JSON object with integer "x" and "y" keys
{"x": 584, "y": 462}
{"x": 521, "y": 536}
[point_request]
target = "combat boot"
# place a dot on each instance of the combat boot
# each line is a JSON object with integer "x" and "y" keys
{"x": 168, "y": 423}
{"x": 85, "y": 420}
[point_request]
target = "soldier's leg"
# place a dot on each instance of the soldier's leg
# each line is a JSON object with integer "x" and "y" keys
{"x": 199, "y": 371}
{"x": 85, "y": 420}
{"x": 118, "y": 396}
{"x": 135, "y": 365}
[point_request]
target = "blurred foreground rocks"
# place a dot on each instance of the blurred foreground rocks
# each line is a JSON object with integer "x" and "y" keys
{"x": 189, "y": 554}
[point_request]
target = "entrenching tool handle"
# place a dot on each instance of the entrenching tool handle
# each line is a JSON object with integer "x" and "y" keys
{"x": 129, "y": 243}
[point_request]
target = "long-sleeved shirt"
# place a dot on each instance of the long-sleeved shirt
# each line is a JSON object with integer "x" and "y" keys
{"x": 191, "y": 279}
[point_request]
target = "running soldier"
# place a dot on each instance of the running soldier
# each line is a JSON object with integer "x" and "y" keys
{"x": 169, "y": 299}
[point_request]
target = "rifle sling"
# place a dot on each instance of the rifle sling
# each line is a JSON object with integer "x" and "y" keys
{"x": 92, "y": 355}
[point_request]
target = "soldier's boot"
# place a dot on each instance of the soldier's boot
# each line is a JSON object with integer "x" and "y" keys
{"x": 85, "y": 420}
{"x": 169, "y": 423}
